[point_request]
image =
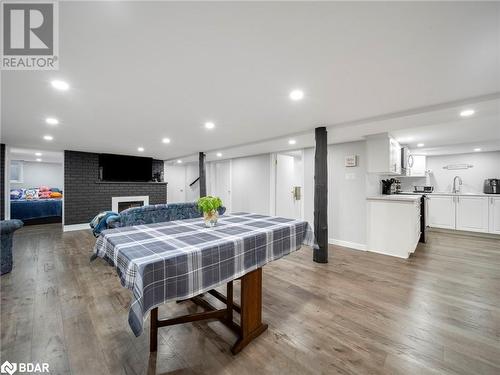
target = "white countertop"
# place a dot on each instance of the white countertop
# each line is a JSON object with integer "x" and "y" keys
{"x": 448, "y": 193}
{"x": 395, "y": 197}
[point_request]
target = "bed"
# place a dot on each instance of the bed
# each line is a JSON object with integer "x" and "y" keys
{"x": 34, "y": 209}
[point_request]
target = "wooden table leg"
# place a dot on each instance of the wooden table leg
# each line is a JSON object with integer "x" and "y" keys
{"x": 153, "y": 331}
{"x": 251, "y": 310}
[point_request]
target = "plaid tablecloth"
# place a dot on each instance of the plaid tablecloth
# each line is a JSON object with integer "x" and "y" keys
{"x": 181, "y": 259}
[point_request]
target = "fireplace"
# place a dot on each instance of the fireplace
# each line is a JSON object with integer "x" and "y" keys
{"x": 119, "y": 204}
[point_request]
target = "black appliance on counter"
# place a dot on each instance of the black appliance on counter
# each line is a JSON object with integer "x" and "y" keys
{"x": 492, "y": 186}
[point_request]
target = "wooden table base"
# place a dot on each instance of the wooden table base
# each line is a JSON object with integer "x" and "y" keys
{"x": 250, "y": 312}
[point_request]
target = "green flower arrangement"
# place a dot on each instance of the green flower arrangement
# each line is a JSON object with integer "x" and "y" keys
{"x": 209, "y": 205}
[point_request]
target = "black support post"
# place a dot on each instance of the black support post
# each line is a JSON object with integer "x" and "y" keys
{"x": 203, "y": 176}
{"x": 320, "y": 255}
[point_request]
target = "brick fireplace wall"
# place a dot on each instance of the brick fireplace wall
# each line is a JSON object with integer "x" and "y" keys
{"x": 85, "y": 196}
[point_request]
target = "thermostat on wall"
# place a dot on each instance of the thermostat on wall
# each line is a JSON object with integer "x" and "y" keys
{"x": 351, "y": 161}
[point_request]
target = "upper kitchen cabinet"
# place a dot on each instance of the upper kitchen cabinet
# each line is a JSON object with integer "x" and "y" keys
{"x": 383, "y": 154}
{"x": 417, "y": 165}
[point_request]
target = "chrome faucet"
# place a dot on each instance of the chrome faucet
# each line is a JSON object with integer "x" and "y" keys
{"x": 455, "y": 188}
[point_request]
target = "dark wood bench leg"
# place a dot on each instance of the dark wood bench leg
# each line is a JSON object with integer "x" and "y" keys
{"x": 153, "y": 331}
{"x": 251, "y": 310}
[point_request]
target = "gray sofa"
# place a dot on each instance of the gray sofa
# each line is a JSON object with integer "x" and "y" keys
{"x": 7, "y": 229}
{"x": 157, "y": 213}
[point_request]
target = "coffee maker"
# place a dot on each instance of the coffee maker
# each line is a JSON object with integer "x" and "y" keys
{"x": 492, "y": 186}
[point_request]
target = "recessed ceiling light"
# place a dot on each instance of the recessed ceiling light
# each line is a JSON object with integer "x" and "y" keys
{"x": 296, "y": 95}
{"x": 292, "y": 142}
{"x": 477, "y": 149}
{"x": 48, "y": 137}
{"x": 51, "y": 121}
{"x": 38, "y": 154}
{"x": 420, "y": 145}
{"x": 209, "y": 125}
{"x": 38, "y": 159}
{"x": 59, "y": 85}
{"x": 140, "y": 149}
{"x": 179, "y": 161}
{"x": 219, "y": 154}
{"x": 467, "y": 112}
{"x": 166, "y": 140}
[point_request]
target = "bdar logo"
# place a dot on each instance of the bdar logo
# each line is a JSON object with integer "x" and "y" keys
{"x": 8, "y": 368}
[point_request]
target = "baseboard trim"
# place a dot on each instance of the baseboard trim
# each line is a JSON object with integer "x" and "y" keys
{"x": 73, "y": 227}
{"x": 351, "y": 245}
{"x": 464, "y": 233}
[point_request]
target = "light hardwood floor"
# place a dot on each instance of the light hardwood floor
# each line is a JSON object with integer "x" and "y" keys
{"x": 438, "y": 312}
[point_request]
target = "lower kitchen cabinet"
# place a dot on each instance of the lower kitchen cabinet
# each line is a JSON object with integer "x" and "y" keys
{"x": 464, "y": 212}
{"x": 441, "y": 211}
{"x": 494, "y": 224}
{"x": 472, "y": 213}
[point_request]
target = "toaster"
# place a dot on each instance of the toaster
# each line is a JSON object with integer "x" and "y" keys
{"x": 492, "y": 186}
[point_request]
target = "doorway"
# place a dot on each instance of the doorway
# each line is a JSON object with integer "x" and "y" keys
{"x": 35, "y": 180}
{"x": 289, "y": 182}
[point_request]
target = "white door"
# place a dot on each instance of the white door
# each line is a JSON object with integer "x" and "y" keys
{"x": 494, "y": 210}
{"x": 219, "y": 181}
{"x": 472, "y": 213}
{"x": 441, "y": 211}
{"x": 175, "y": 176}
{"x": 288, "y": 175}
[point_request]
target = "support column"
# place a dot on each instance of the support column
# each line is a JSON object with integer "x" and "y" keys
{"x": 203, "y": 176}
{"x": 320, "y": 255}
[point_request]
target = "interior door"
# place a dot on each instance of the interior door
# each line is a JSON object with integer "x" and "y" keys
{"x": 220, "y": 182}
{"x": 288, "y": 174}
{"x": 176, "y": 178}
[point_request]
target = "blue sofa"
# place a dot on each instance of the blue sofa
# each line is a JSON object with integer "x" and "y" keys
{"x": 7, "y": 229}
{"x": 157, "y": 213}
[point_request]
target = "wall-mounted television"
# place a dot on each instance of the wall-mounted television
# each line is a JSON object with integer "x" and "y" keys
{"x": 125, "y": 168}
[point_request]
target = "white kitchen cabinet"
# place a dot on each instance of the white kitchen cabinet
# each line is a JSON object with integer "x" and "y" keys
{"x": 383, "y": 154}
{"x": 417, "y": 165}
{"x": 393, "y": 225}
{"x": 472, "y": 213}
{"x": 494, "y": 215}
{"x": 441, "y": 211}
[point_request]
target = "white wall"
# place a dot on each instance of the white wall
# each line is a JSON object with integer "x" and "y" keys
{"x": 485, "y": 165}
{"x": 192, "y": 173}
{"x": 36, "y": 174}
{"x": 308, "y": 193}
{"x": 250, "y": 182}
{"x": 347, "y": 190}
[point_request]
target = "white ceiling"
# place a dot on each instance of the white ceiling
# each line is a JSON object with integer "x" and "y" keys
{"x": 143, "y": 71}
{"x": 31, "y": 155}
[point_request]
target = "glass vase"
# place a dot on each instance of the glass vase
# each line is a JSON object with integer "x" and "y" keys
{"x": 211, "y": 218}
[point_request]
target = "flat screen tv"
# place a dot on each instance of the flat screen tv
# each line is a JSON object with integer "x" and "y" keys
{"x": 125, "y": 168}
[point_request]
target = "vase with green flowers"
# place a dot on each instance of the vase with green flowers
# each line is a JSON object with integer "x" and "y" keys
{"x": 209, "y": 206}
